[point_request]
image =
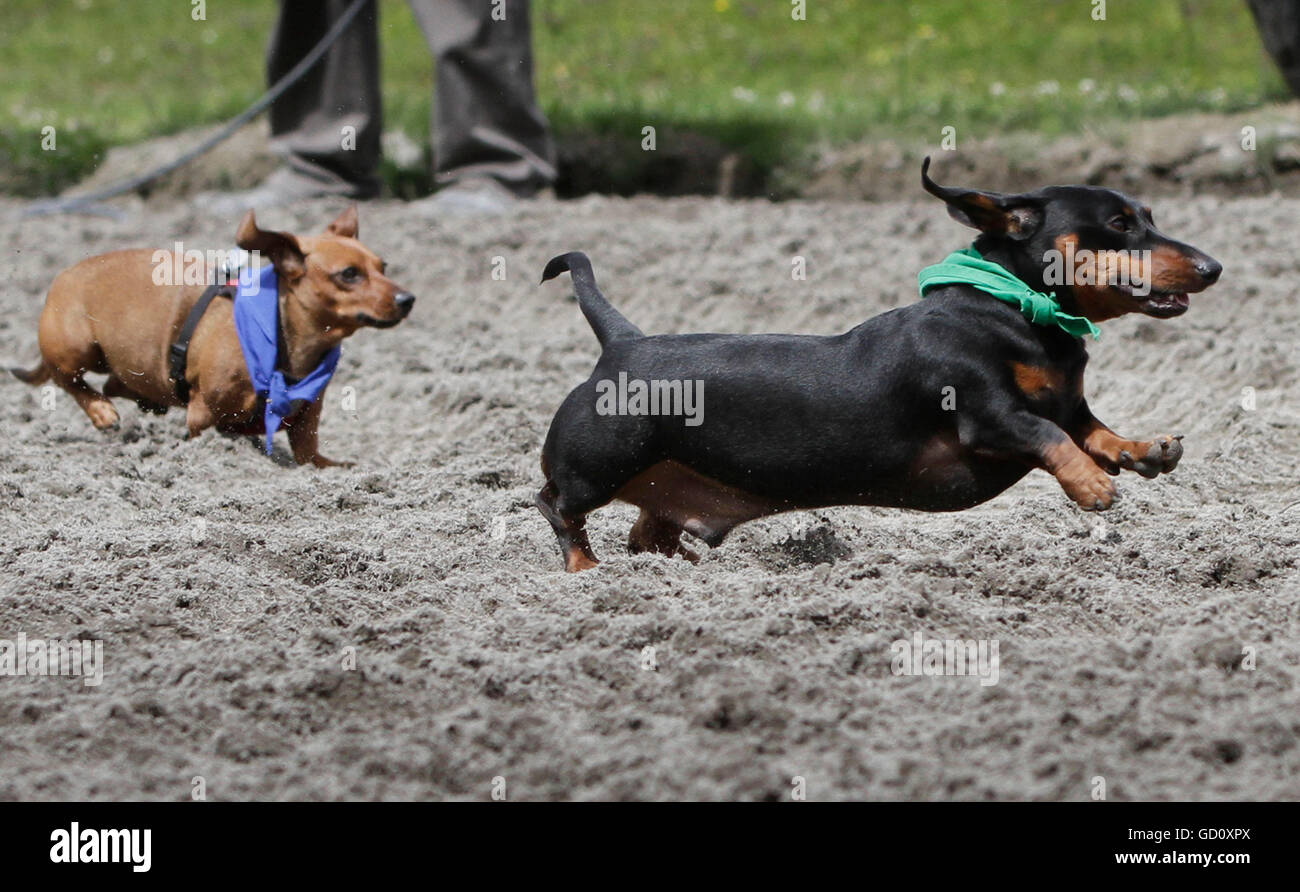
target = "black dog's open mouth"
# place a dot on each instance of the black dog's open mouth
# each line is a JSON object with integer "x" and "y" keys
{"x": 1165, "y": 303}
{"x": 1162, "y": 304}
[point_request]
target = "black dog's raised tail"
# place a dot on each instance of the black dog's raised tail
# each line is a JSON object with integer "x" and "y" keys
{"x": 608, "y": 323}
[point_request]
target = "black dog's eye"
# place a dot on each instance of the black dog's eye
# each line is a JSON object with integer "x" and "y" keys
{"x": 1120, "y": 223}
{"x": 350, "y": 274}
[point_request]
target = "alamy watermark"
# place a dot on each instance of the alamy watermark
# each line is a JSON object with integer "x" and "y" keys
{"x": 78, "y": 845}
{"x": 634, "y": 396}
{"x": 946, "y": 656}
{"x": 1126, "y": 269}
{"x": 38, "y": 656}
{"x": 190, "y": 266}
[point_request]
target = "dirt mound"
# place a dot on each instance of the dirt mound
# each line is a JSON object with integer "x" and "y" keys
{"x": 1252, "y": 152}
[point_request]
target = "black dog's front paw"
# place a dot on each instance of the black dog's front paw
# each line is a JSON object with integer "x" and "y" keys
{"x": 1162, "y": 456}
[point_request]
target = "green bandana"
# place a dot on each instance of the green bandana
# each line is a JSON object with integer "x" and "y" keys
{"x": 968, "y": 267}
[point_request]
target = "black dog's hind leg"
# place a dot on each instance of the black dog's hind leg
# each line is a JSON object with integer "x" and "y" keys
{"x": 570, "y": 530}
{"x": 658, "y": 535}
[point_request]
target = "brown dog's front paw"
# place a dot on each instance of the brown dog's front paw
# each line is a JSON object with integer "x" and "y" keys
{"x": 1088, "y": 485}
{"x": 1161, "y": 456}
{"x": 103, "y": 416}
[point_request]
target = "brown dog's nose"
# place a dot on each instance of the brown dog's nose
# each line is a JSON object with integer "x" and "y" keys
{"x": 404, "y": 300}
{"x": 1209, "y": 269}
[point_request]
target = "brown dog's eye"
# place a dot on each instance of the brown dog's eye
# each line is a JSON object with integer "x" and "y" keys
{"x": 350, "y": 274}
{"x": 1119, "y": 223}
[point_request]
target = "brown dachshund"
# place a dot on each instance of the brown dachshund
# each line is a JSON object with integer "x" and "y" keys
{"x": 108, "y": 315}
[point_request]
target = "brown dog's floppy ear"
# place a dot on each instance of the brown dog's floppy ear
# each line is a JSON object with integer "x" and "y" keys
{"x": 993, "y": 213}
{"x": 283, "y": 249}
{"x": 345, "y": 224}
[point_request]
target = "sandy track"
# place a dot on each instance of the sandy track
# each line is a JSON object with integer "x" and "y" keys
{"x": 225, "y": 585}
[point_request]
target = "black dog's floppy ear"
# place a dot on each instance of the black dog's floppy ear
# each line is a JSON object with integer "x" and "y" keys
{"x": 993, "y": 213}
{"x": 281, "y": 247}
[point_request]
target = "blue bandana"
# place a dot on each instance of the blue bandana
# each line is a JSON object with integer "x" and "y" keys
{"x": 257, "y": 318}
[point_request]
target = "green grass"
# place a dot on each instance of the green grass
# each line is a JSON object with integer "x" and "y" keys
{"x": 740, "y": 72}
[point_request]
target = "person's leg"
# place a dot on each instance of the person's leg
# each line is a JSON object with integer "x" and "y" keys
{"x": 1278, "y": 22}
{"x": 486, "y": 119}
{"x": 309, "y": 122}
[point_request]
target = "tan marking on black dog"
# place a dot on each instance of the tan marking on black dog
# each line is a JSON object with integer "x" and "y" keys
{"x": 1033, "y": 381}
{"x": 1114, "y": 453}
{"x": 702, "y": 506}
{"x": 658, "y": 536}
{"x": 1097, "y": 302}
{"x": 1172, "y": 270}
{"x": 1082, "y": 479}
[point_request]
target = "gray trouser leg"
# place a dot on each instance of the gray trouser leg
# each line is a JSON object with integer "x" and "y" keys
{"x": 486, "y": 118}
{"x": 309, "y": 123}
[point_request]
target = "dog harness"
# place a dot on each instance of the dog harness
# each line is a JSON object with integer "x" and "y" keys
{"x": 968, "y": 267}
{"x": 257, "y": 325}
{"x": 178, "y": 355}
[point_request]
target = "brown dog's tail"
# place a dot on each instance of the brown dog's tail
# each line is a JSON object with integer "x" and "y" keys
{"x": 38, "y": 375}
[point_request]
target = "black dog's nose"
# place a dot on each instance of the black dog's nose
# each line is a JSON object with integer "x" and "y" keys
{"x": 1209, "y": 268}
{"x": 404, "y": 300}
